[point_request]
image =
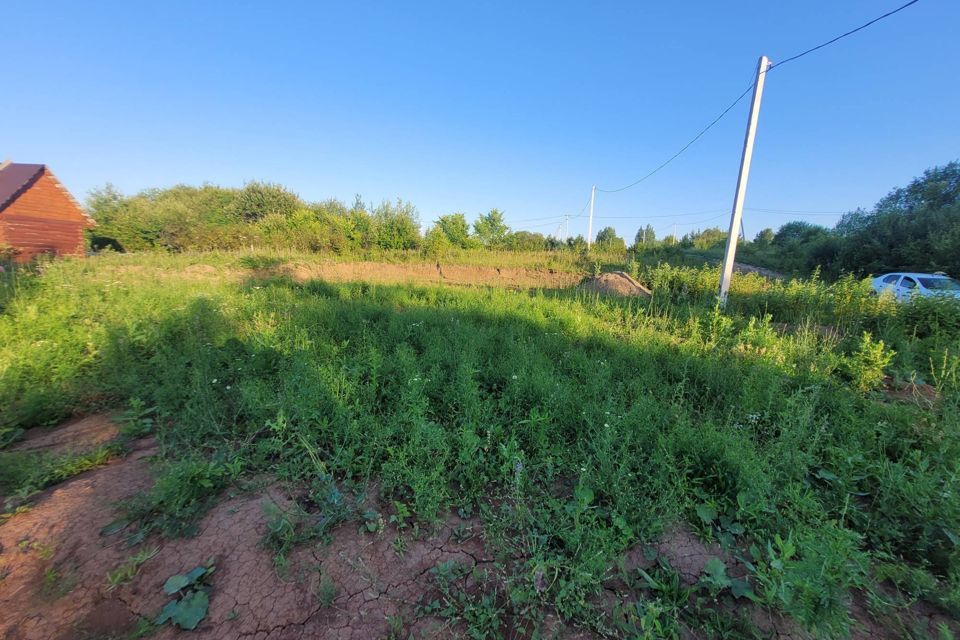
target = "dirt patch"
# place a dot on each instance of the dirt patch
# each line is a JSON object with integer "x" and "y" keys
{"x": 919, "y": 393}
{"x": 55, "y": 562}
{"x": 434, "y": 273}
{"x": 78, "y": 436}
{"x": 618, "y": 283}
{"x": 739, "y": 267}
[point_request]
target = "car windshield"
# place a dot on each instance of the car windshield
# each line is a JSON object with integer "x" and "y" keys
{"x": 940, "y": 284}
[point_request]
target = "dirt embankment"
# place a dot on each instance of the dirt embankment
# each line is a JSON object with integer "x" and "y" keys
{"x": 377, "y": 273}
{"x": 618, "y": 283}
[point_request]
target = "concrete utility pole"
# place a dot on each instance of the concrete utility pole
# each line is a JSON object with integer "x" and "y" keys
{"x": 736, "y": 216}
{"x": 593, "y": 196}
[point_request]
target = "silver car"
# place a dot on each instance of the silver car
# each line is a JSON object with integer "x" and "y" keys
{"x": 904, "y": 285}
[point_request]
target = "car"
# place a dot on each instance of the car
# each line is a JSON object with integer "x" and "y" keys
{"x": 904, "y": 285}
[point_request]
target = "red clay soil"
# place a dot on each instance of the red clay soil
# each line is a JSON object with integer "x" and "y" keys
{"x": 919, "y": 393}
{"x": 83, "y": 434}
{"x": 618, "y": 283}
{"x": 54, "y": 563}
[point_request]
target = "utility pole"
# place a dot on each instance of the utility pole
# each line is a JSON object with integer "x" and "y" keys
{"x": 736, "y": 216}
{"x": 593, "y": 196}
{"x": 566, "y": 226}
{"x": 674, "y": 233}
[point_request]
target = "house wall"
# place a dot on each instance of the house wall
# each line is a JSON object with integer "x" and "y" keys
{"x": 43, "y": 219}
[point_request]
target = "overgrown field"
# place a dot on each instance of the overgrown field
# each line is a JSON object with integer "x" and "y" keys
{"x": 577, "y": 427}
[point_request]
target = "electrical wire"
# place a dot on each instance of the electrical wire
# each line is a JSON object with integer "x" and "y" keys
{"x": 842, "y": 36}
{"x": 686, "y": 146}
{"x": 749, "y": 88}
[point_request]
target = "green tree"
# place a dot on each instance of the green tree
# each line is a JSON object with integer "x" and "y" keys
{"x": 526, "y": 241}
{"x": 456, "y": 228}
{"x": 645, "y": 236}
{"x": 608, "y": 239}
{"x": 490, "y": 228}
{"x": 396, "y": 226}
{"x": 259, "y": 199}
{"x": 764, "y": 238}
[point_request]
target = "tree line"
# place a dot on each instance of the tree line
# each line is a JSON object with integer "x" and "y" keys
{"x": 916, "y": 227}
{"x": 188, "y": 218}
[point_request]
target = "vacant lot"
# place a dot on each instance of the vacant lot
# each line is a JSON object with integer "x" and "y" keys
{"x": 314, "y": 458}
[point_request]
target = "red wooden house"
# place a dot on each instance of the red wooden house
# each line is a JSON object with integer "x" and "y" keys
{"x": 37, "y": 214}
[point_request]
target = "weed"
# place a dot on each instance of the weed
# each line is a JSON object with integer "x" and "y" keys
{"x": 191, "y": 593}
{"x": 128, "y": 570}
{"x": 573, "y": 427}
{"x": 326, "y": 591}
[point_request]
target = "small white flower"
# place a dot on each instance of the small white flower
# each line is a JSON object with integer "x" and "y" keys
{"x": 214, "y": 381}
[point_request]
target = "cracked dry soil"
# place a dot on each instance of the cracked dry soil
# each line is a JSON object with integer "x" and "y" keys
{"x": 54, "y": 563}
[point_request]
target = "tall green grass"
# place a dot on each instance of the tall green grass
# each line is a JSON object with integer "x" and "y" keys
{"x": 576, "y": 425}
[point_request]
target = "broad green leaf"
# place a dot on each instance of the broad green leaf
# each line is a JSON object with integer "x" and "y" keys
{"x": 707, "y": 513}
{"x": 191, "y": 610}
{"x": 196, "y": 574}
{"x": 716, "y": 570}
{"x": 167, "y": 612}
{"x": 740, "y": 588}
{"x": 175, "y": 583}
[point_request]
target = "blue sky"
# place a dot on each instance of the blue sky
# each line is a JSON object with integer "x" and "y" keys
{"x": 464, "y": 107}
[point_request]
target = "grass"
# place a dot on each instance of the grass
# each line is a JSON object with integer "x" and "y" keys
{"x": 576, "y": 426}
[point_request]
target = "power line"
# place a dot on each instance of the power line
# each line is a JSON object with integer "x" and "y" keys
{"x": 842, "y": 36}
{"x": 686, "y": 146}
{"x": 748, "y": 89}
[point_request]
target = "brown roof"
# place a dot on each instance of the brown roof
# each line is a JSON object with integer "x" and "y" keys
{"x": 15, "y": 178}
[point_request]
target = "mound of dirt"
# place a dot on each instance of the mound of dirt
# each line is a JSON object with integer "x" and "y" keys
{"x": 740, "y": 267}
{"x": 618, "y": 283}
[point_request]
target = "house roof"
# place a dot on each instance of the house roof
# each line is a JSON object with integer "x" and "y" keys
{"x": 17, "y": 177}
{"x": 14, "y": 180}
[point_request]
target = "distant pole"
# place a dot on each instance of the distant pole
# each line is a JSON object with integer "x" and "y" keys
{"x": 566, "y": 226}
{"x": 736, "y": 216}
{"x": 674, "y": 233}
{"x": 593, "y": 196}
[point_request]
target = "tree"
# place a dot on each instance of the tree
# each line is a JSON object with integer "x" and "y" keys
{"x": 608, "y": 239}
{"x": 396, "y": 226}
{"x": 456, "y": 228}
{"x": 526, "y": 241}
{"x": 259, "y": 199}
{"x": 490, "y": 229}
{"x": 796, "y": 233}
{"x": 436, "y": 242}
{"x": 764, "y": 238}
{"x": 645, "y": 235}
{"x": 705, "y": 239}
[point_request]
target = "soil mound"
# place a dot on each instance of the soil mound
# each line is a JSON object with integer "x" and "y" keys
{"x": 740, "y": 267}
{"x": 616, "y": 283}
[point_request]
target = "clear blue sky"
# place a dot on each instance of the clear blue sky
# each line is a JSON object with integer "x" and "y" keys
{"x": 456, "y": 107}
